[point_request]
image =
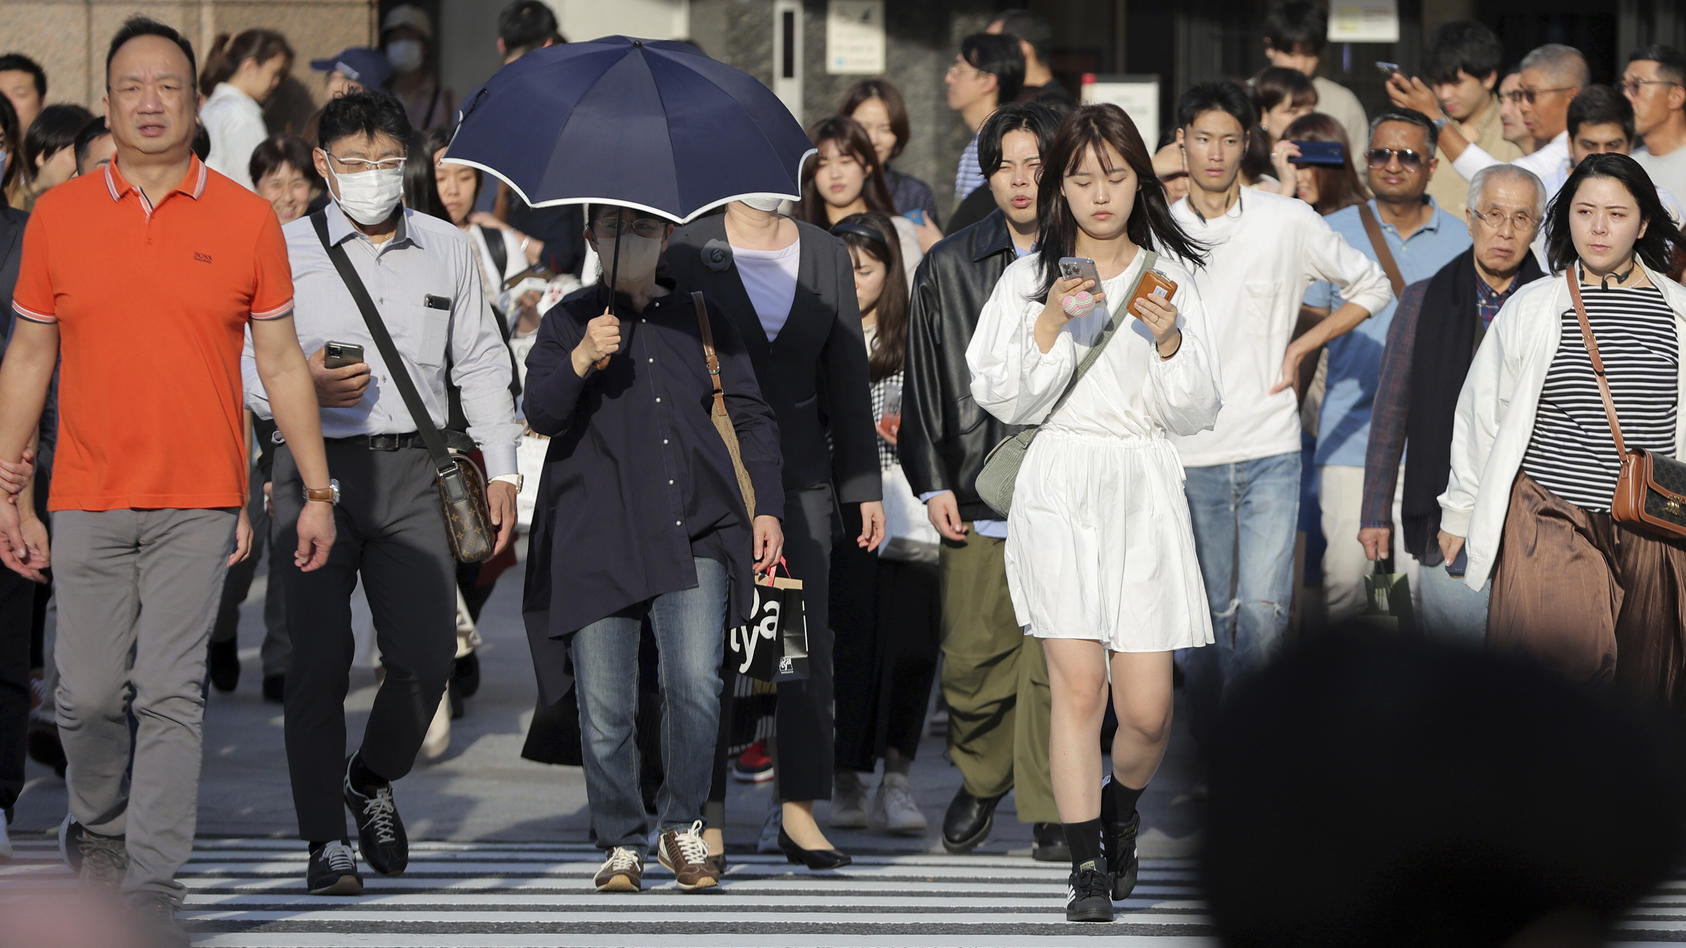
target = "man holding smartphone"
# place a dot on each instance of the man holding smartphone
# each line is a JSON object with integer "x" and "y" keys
{"x": 420, "y": 274}
{"x": 994, "y": 678}
{"x": 1462, "y": 65}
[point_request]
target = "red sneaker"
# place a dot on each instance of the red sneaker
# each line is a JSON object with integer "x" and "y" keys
{"x": 753, "y": 765}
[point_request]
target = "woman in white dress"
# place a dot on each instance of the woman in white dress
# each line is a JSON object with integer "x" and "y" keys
{"x": 240, "y": 73}
{"x": 1100, "y": 550}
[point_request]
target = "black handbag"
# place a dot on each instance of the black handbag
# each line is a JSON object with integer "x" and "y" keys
{"x": 461, "y": 482}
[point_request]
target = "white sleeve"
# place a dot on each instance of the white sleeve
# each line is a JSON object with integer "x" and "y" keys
{"x": 1329, "y": 257}
{"x": 1472, "y": 160}
{"x": 1481, "y": 404}
{"x": 1184, "y": 391}
{"x": 257, "y": 399}
{"x": 1012, "y": 378}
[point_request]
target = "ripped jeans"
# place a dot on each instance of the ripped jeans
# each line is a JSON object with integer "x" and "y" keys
{"x": 1245, "y": 517}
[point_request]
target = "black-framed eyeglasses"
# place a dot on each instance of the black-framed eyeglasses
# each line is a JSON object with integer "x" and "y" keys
{"x": 1529, "y": 95}
{"x": 642, "y": 227}
{"x": 1632, "y": 86}
{"x": 1495, "y": 218}
{"x": 1409, "y": 158}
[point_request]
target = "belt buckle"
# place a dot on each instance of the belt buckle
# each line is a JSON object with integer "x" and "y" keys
{"x": 383, "y": 442}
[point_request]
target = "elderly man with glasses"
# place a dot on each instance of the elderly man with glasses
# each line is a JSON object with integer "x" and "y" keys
{"x": 1436, "y": 328}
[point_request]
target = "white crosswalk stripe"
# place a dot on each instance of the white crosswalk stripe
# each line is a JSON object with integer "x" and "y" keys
{"x": 246, "y": 893}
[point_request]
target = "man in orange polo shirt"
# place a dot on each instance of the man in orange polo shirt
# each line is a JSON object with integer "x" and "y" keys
{"x": 150, "y": 476}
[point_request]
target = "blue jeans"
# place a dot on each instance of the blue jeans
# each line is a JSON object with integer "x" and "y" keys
{"x": 1245, "y": 515}
{"x": 689, "y": 626}
{"x": 1451, "y": 610}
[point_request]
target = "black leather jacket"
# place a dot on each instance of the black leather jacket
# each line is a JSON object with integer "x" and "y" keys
{"x": 944, "y": 435}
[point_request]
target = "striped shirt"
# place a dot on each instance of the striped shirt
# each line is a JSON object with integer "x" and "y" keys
{"x": 1572, "y": 452}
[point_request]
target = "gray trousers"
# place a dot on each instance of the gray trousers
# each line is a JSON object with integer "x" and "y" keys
{"x": 137, "y": 591}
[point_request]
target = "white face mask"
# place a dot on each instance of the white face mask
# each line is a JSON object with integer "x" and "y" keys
{"x": 368, "y": 197}
{"x": 765, "y": 203}
{"x": 405, "y": 55}
{"x": 639, "y": 256}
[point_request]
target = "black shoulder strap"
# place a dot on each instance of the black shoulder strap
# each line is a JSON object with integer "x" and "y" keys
{"x": 383, "y": 341}
{"x": 495, "y": 248}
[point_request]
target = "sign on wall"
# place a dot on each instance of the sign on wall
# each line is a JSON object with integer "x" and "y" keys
{"x": 854, "y": 37}
{"x": 1137, "y": 95}
{"x": 1363, "y": 21}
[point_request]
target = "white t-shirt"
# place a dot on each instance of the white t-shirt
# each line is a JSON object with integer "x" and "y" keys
{"x": 769, "y": 277}
{"x": 1666, "y": 171}
{"x": 234, "y": 120}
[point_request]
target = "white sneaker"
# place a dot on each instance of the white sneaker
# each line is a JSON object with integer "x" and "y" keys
{"x": 769, "y": 841}
{"x": 848, "y": 801}
{"x": 438, "y": 739}
{"x": 5, "y": 841}
{"x": 894, "y": 808}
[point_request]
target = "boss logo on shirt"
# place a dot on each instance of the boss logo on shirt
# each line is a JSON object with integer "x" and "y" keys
{"x": 202, "y": 257}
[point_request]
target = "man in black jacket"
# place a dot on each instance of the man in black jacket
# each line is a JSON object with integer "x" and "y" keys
{"x": 994, "y": 679}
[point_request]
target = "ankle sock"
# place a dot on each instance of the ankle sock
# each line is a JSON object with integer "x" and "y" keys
{"x": 364, "y": 780}
{"x": 1118, "y": 802}
{"x": 1085, "y": 841}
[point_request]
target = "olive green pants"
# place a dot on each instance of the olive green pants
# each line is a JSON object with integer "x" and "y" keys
{"x": 994, "y": 681}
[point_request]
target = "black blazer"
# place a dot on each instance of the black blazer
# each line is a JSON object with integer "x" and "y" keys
{"x": 814, "y": 374}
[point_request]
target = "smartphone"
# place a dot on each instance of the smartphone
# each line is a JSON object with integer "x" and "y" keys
{"x": 1154, "y": 284}
{"x": 1320, "y": 153}
{"x": 916, "y": 215}
{"x": 338, "y": 355}
{"x": 1459, "y": 565}
{"x": 1386, "y": 69}
{"x": 1080, "y": 268}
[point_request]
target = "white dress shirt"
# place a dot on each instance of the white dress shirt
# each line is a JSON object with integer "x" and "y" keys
{"x": 234, "y": 120}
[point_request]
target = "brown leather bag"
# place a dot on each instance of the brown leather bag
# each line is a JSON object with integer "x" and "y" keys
{"x": 1650, "y": 490}
{"x": 722, "y": 420}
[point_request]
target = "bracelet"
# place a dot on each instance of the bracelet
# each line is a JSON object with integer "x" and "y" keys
{"x": 1162, "y": 356}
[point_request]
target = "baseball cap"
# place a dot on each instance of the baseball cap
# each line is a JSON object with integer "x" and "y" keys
{"x": 406, "y": 15}
{"x": 358, "y": 63}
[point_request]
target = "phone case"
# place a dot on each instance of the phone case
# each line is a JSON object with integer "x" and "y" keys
{"x": 1073, "y": 268}
{"x": 1154, "y": 284}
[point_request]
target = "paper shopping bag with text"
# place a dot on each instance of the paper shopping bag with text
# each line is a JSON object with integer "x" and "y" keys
{"x": 773, "y": 646}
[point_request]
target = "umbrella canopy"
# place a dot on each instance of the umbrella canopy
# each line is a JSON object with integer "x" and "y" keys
{"x": 656, "y": 126}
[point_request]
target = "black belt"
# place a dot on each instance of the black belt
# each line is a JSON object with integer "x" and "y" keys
{"x": 383, "y": 442}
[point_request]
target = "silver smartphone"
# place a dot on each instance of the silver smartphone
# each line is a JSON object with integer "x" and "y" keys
{"x": 1080, "y": 268}
{"x": 1387, "y": 69}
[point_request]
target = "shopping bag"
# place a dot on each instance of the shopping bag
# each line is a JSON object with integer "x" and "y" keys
{"x": 1388, "y": 595}
{"x": 773, "y": 646}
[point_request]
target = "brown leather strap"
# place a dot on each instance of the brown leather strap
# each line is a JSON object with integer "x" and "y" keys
{"x": 707, "y": 332}
{"x": 1597, "y": 361}
{"x": 1378, "y": 243}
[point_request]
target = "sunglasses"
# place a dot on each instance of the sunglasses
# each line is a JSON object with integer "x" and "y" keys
{"x": 1409, "y": 159}
{"x": 1529, "y": 95}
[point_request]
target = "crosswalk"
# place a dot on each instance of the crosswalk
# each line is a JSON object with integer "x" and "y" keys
{"x": 247, "y": 893}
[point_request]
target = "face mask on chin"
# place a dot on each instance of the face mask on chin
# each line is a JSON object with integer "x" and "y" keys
{"x": 369, "y": 197}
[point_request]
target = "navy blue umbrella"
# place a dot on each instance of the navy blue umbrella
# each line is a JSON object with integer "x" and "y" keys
{"x": 655, "y": 126}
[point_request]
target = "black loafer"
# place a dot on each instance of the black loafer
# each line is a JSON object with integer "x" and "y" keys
{"x": 968, "y": 821}
{"x": 1050, "y": 843}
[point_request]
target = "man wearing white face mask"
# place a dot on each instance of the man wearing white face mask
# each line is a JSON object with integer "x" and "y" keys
{"x": 407, "y": 40}
{"x": 421, "y": 276}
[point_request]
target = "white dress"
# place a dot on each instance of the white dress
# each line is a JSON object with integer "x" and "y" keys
{"x": 1099, "y": 541}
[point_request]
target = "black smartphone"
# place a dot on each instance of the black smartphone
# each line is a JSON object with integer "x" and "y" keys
{"x": 1460, "y": 564}
{"x": 1387, "y": 69}
{"x": 1320, "y": 153}
{"x": 338, "y": 355}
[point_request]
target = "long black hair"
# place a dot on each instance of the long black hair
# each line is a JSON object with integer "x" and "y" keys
{"x": 1656, "y": 247}
{"x": 1150, "y": 226}
{"x": 872, "y": 233}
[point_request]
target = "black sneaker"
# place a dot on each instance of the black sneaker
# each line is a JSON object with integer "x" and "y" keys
{"x": 1089, "y": 898}
{"x": 155, "y": 917}
{"x": 100, "y": 861}
{"x": 380, "y": 832}
{"x": 1118, "y": 845}
{"x": 224, "y": 663}
{"x": 1050, "y": 844}
{"x": 333, "y": 871}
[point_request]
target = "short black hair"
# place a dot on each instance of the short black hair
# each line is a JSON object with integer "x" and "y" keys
{"x": 54, "y": 130}
{"x": 137, "y": 26}
{"x": 18, "y": 62}
{"x": 1409, "y": 117}
{"x": 85, "y": 139}
{"x": 1671, "y": 63}
{"x": 1030, "y": 28}
{"x": 1034, "y": 117}
{"x": 1600, "y": 105}
{"x": 1463, "y": 46}
{"x": 1657, "y": 246}
{"x": 283, "y": 151}
{"x": 363, "y": 113}
{"x": 1223, "y": 96}
{"x": 1297, "y": 26}
{"x": 526, "y": 25}
{"x": 1001, "y": 57}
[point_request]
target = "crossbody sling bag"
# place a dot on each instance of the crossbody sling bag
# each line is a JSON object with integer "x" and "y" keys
{"x": 1001, "y": 466}
{"x": 1650, "y": 490}
{"x": 461, "y": 483}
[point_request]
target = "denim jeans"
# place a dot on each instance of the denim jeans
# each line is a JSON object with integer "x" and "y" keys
{"x": 1451, "y": 610}
{"x": 1245, "y": 515}
{"x": 689, "y": 626}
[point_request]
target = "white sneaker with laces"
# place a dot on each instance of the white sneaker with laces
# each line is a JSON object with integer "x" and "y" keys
{"x": 894, "y": 808}
{"x": 848, "y": 801}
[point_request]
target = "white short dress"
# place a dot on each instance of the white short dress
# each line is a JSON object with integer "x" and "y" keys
{"x": 1099, "y": 541}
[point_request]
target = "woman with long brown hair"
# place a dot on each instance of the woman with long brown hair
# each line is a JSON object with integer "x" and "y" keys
{"x": 240, "y": 72}
{"x": 1100, "y": 547}
{"x": 1328, "y": 188}
{"x": 845, "y": 178}
{"x": 878, "y": 107}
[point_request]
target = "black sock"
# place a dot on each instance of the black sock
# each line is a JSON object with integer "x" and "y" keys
{"x": 1085, "y": 841}
{"x": 364, "y": 780}
{"x": 1118, "y": 802}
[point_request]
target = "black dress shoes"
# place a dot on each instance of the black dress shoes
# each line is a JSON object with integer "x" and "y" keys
{"x": 1050, "y": 843}
{"x": 812, "y": 858}
{"x": 968, "y": 821}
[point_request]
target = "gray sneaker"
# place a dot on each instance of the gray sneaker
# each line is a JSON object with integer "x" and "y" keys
{"x": 848, "y": 801}
{"x": 894, "y": 808}
{"x": 97, "y": 860}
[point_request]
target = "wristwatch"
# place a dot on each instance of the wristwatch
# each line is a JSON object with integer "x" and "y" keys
{"x": 329, "y": 494}
{"x": 1440, "y": 123}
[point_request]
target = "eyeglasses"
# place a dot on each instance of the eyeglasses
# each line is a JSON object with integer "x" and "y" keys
{"x": 1409, "y": 159}
{"x": 1632, "y": 86}
{"x": 1529, "y": 95}
{"x": 642, "y": 227}
{"x": 359, "y": 165}
{"x": 1495, "y": 219}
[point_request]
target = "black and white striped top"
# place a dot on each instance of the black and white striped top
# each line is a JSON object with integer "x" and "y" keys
{"x": 1572, "y": 452}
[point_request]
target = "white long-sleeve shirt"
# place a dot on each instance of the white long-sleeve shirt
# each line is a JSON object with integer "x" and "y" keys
{"x": 234, "y": 120}
{"x": 1265, "y": 252}
{"x": 1550, "y": 163}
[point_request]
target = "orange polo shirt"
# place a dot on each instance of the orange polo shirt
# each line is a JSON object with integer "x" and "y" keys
{"x": 151, "y": 301}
